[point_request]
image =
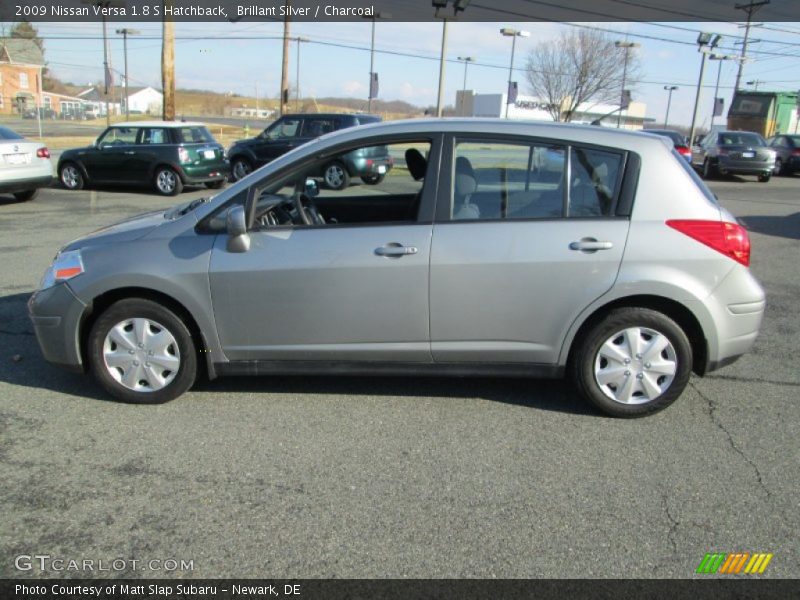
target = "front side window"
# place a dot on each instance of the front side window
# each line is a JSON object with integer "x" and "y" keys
{"x": 373, "y": 184}
{"x": 316, "y": 127}
{"x": 285, "y": 128}
{"x": 117, "y": 136}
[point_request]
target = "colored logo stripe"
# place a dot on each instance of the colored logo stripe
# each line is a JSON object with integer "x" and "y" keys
{"x": 733, "y": 563}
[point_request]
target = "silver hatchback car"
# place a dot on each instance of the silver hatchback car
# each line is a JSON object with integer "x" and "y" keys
{"x": 491, "y": 248}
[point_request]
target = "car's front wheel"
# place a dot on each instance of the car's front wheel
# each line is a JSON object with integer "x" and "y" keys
{"x": 167, "y": 182}
{"x": 26, "y": 195}
{"x": 71, "y": 176}
{"x": 240, "y": 168}
{"x": 765, "y": 177}
{"x": 634, "y": 362}
{"x": 142, "y": 352}
{"x": 336, "y": 176}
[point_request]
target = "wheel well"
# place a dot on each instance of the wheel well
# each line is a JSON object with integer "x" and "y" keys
{"x": 79, "y": 166}
{"x": 674, "y": 310}
{"x": 178, "y": 172}
{"x": 103, "y": 301}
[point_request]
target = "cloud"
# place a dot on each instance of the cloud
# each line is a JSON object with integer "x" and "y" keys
{"x": 354, "y": 88}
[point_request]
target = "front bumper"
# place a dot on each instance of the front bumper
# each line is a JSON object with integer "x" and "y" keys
{"x": 56, "y": 315}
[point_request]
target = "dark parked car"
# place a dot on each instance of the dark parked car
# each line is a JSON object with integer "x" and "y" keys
{"x": 735, "y": 153}
{"x": 678, "y": 140}
{"x": 165, "y": 154}
{"x": 788, "y": 149}
{"x": 291, "y": 131}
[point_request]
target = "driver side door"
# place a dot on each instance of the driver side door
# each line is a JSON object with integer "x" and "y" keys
{"x": 339, "y": 292}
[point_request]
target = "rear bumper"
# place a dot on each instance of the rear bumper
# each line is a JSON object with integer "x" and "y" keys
{"x": 56, "y": 316}
{"x": 28, "y": 183}
{"x": 733, "y": 167}
{"x": 205, "y": 173}
{"x": 736, "y": 308}
{"x": 369, "y": 166}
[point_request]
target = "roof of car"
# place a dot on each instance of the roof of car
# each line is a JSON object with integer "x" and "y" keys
{"x": 326, "y": 115}
{"x": 160, "y": 124}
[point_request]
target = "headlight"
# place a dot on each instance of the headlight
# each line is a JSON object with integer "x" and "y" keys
{"x": 65, "y": 266}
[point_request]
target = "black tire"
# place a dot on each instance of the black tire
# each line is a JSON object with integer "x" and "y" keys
{"x": 585, "y": 358}
{"x": 373, "y": 179}
{"x": 215, "y": 185}
{"x": 145, "y": 309}
{"x": 71, "y": 177}
{"x": 780, "y": 168}
{"x": 709, "y": 170}
{"x": 167, "y": 182}
{"x": 240, "y": 167}
{"x": 335, "y": 175}
{"x": 765, "y": 177}
{"x": 26, "y": 195}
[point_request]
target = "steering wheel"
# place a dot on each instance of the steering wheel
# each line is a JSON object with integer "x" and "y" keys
{"x": 307, "y": 209}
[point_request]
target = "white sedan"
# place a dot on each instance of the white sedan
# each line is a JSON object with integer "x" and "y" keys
{"x": 24, "y": 165}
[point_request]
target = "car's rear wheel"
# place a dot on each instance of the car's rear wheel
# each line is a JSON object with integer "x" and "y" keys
{"x": 709, "y": 170}
{"x": 26, "y": 195}
{"x": 240, "y": 168}
{"x": 71, "y": 176}
{"x": 215, "y": 185}
{"x": 634, "y": 362}
{"x": 167, "y": 182}
{"x": 372, "y": 179}
{"x": 765, "y": 177}
{"x": 142, "y": 352}
{"x": 336, "y": 176}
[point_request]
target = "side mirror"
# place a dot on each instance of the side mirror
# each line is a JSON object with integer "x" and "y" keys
{"x": 312, "y": 188}
{"x": 236, "y": 226}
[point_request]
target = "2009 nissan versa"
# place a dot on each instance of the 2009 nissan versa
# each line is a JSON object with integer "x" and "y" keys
{"x": 491, "y": 248}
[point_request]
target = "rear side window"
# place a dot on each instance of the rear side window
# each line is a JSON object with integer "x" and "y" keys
{"x": 193, "y": 135}
{"x": 367, "y": 119}
{"x": 155, "y": 136}
{"x": 594, "y": 182}
{"x": 695, "y": 177}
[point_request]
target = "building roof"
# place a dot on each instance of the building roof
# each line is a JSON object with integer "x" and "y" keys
{"x": 20, "y": 51}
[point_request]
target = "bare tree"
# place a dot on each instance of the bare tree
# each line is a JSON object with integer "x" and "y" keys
{"x": 581, "y": 66}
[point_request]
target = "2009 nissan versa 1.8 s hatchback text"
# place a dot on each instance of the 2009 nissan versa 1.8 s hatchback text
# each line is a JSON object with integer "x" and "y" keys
{"x": 491, "y": 248}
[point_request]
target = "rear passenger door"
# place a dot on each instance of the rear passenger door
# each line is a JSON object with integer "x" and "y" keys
{"x": 527, "y": 235}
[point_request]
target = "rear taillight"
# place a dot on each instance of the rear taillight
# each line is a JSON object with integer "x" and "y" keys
{"x": 724, "y": 151}
{"x": 183, "y": 155}
{"x": 730, "y": 239}
{"x": 43, "y": 153}
{"x": 683, "y": 150}
{"x": 796, "y": 152}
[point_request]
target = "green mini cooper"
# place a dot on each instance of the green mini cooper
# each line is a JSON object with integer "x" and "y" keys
{"x": 166, "y": 155}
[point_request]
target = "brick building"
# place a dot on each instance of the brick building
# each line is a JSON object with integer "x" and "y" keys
{"x": 21, "y": 63}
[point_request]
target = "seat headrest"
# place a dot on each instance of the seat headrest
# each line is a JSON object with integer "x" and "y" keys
{"x": 416, "y": 163}
{"x": 465, "y": 184}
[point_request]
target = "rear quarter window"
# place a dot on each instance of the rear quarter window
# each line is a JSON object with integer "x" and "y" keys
{"x": 193, "y": 135}
{"x": 701, "y": 185}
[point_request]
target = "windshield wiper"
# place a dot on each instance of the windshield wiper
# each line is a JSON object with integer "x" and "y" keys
{"x": 184, "y": 209}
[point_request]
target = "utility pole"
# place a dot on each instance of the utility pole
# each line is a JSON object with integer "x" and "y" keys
{"x": 125, "y": 33}
{"x": 750, "y": 9}
{"x": 284, "y": 104}
{"x": 670, "y": 89}
{"x": 755, "y": 83}
{"x": 168, "y": 65}
{"x": 626, "y": 46}
{"x": 299, "y": 40}
{"x": 440, "y": 98}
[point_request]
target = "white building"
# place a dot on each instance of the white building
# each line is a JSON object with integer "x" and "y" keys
{"x": 471, "y": 104}
{"x": 144, "y": 100}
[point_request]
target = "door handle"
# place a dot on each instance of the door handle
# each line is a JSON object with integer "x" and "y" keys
{"x": 590, "y": 245}
{"x": 395, "y": 250}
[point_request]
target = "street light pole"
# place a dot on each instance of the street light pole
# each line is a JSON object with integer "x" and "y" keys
{"x": 670, "y": 89}
{"x": 466, "y": 60}
{"x": 373, "y": 18}
{"x": 627, "y": 46}
{"x": 705, "y": 42}
{"x": 441, "y": 6}
{"x": 299, "y": 41}
{"x": 125, "y": 33}
{"x": 513, "y": 34}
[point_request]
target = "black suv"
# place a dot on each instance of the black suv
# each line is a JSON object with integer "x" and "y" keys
{"x": 290, "y": 131}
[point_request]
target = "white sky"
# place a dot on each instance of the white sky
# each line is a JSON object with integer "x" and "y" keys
{"x": 216, "y": 62}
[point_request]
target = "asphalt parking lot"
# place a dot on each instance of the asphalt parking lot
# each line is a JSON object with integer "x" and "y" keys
{"x": 345, "y": 477}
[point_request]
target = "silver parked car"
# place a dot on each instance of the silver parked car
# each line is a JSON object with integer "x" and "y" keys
{"x": 24, "y": 165}
{"x": 491, "y": 248}
{"x": 734, "y": 153}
